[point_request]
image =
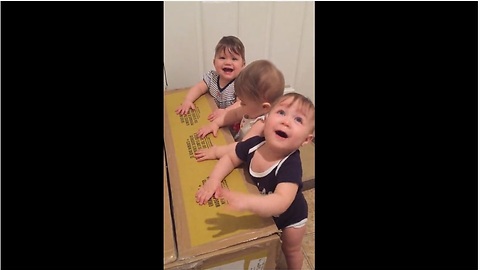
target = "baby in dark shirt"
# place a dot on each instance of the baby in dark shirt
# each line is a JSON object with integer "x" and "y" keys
{"x": 275, "y": 167}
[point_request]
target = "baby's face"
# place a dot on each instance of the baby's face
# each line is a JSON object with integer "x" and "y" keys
{"x": 228, "y": 64}
{"x": 252, "y": 108}
{"x": 288, "y": 125}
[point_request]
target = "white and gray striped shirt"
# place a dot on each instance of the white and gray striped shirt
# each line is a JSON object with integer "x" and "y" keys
{"x": 223, "y": 97}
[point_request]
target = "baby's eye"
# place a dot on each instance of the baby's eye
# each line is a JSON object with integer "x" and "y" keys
{"x": 281, "y": 112}
{"x": 235, "y": 59}
{"x": 299, "y": 119}
{"x": 222, "y": 57}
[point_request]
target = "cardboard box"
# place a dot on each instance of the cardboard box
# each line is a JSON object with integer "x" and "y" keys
{"x": 210, "y": 236}
{"x": 169, "y": 249}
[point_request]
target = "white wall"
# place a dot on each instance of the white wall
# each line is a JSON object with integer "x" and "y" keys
{"x": 282, "y": 32}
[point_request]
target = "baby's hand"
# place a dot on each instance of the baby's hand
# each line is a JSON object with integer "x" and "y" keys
{"x": 205, "y": 130}
{"x": 236, "y": 200}
{"x": 215, "y": 114}
{"x": 185, "y": 107}
{"x": 205, "y": 154}
{"x": 205, "y": 192}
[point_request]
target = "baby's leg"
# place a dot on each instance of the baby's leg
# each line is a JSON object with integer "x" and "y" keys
{"x": 292, "y": 246}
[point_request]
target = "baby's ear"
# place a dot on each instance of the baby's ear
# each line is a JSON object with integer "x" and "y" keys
{"x": 266, "y": 106}
{"x": 308, "y": 139}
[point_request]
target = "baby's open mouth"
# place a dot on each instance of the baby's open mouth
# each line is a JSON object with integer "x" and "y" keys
{"x": 228, "y": 69}
{"x": 281, "y": 134}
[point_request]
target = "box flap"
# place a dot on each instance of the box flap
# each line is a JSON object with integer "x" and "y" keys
{"x": 262, "y": 253}
{"x": 169, "y": 251}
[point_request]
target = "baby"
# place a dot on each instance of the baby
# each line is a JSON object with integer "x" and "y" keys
{"x": 274, "y": 165}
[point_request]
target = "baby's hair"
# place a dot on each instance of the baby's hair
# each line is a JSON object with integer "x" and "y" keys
{"x": 232, "y": 44}
{"x": 305, "y": 104}
{"x": 260, "y": 80}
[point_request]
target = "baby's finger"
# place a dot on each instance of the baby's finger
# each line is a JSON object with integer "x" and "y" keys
{"x": 199, "y": 193}
{"x": 200, "y": 199}
{"x": 201, "y": 196}
{"x": 211, "y": 117}
{"x": 200, "y": 158}
{"x": 202, "y": 134}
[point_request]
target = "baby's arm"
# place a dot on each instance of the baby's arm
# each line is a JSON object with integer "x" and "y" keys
{"x": 263, "y": 205}
{"x": 230, "y": 117}
{"x": 218, "y": 112}
{"x": 193, "y": 94}
{"x": 214, "y": 152}
{"x": 224, "y": 166}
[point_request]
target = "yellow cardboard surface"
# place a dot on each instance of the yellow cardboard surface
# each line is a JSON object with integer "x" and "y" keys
{"x": 202, "y": 229}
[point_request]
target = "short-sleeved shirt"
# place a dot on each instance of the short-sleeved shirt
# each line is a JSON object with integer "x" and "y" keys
{"x": 288, "y": 169}
{"x": 223, "y": 97}
{"x": 245, "y": 125}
